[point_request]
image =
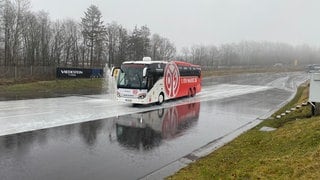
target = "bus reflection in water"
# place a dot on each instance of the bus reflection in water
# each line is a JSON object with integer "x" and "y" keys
{"x": 146, "y": 130}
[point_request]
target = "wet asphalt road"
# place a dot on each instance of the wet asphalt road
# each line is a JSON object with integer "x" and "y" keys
{"x": 134, "y": 145}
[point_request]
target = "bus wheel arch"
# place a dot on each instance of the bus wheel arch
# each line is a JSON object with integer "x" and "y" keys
{"x": 193, "y": 91}
{"x": 190, "y": 92}
{"x": 160, "y": 98}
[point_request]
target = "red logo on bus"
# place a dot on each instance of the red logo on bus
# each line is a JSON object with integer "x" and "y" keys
{"x": 135, "y": 92}
{"x": 171, "y": 79}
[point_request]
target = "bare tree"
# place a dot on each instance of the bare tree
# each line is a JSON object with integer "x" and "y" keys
{"x": 123, "y": 46}
{"x": 45, "y": 36}
{"x": 8, "y": 20}
{"x": 113, "y": 36}
{"x": 56, "y": 43}
{"x": 155, "y": 46}
{"x": 185, "y": 53}
{"x": 167, "y": 49}
{"x": 31, "y": 39}
{"x": 70, "y": 50}
{"x": 162, "y": 48}
{"x": 213, "y": 57}
{"x": 18, "y": 9}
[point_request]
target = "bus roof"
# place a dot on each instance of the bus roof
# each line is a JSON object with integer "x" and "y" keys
{"x": 144, "y": 62}
{"x": 182, "y": 63}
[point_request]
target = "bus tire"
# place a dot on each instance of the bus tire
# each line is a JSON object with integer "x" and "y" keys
{"x": 160, "y": 99}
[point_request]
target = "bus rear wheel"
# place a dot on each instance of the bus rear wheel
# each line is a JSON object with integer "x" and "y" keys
{"x": 160, "y": 99}
{"x": 192, "y": 91}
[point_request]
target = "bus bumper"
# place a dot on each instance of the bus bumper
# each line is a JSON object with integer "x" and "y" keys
{"x": 133, "y": 100}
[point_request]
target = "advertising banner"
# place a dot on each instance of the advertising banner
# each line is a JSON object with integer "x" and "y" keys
{"x": 79, "y": 73}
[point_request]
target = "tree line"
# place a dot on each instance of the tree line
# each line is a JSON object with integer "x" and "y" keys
{"x": 31, "y": 39}
{"x": 250, "y": 53}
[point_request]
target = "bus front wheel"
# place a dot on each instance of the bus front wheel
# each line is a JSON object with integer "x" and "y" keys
{"x": 160, "y": 99}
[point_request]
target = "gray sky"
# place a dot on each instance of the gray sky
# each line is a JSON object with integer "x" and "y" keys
{"x": 206, "y": 22}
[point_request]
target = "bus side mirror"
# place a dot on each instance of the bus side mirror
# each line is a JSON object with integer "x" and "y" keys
{"x": 115, "y": 71}
{"x": 144, "y": 72}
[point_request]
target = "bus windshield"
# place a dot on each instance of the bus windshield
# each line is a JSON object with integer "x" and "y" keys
{"x": 130, "y": 77}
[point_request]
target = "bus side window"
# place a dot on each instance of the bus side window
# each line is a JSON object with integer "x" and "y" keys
{"x": 144, "y": 82}
{"x": 150, "y": 82}
{"x": 198, "y": 72}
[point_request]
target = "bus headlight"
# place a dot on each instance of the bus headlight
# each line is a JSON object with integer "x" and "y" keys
{"x": 142, "y": 96}
{"x": 118, "y": 94}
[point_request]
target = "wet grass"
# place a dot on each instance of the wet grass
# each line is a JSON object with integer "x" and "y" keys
{"x": 54, "y": 88}
{"x": 291, "y": 151}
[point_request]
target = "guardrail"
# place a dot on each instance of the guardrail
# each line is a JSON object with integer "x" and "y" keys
{"x": 314, "y": 93}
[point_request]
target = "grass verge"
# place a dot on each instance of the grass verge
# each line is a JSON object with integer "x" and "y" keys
{"x": 291, "y": 151}
{"x": 52, "y": 88}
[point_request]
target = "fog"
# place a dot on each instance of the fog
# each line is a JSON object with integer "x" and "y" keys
{"x": 205, "y": 22}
